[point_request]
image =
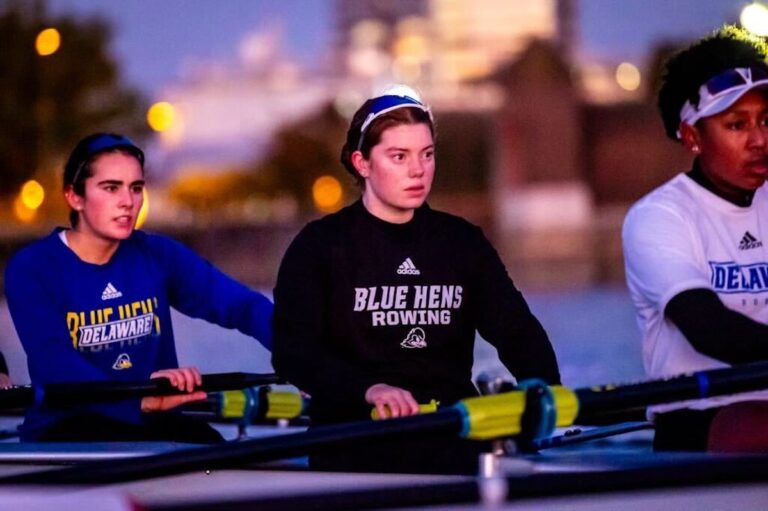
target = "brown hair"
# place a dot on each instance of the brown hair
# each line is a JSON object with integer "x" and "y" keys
{"x": 372, "y": 135}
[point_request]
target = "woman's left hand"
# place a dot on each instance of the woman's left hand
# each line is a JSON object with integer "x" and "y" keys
{"x": 185, "y": 379}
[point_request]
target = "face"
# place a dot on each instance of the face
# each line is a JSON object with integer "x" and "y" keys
{"x": 398, "y": 175}
{"x": 733, "y": 145}
{"x": 113, "y": 197}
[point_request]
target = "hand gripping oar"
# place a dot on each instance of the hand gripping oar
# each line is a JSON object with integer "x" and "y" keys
{"x": 67, "y": 394}
{"x": 484, "y": 417}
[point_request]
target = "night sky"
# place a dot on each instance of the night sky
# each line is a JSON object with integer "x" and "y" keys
{"x": 155, "y": 40}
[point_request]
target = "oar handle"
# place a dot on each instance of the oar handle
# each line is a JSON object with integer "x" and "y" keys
{"x": 67, "y": 394}
{"x": 594, "y": 401}
{"x": 483, "y": 417}
{"x": 251, "y": 405}
{"x": 235, "y": 381}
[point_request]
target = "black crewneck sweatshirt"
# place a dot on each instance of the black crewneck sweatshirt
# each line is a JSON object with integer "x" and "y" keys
{"x": 360, "y": 301}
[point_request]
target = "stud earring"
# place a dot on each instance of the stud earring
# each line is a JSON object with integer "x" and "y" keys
{"x": 695, "y": 149}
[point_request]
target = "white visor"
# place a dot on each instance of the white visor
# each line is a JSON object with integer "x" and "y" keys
{"x": 721, "y": 91}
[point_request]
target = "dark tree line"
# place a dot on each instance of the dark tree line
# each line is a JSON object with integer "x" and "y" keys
{"x": 48, "y": 103}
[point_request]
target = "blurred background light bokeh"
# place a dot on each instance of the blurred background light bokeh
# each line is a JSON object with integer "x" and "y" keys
{"x": 754, "y": 17}
{"x": 161, "y": 116}
{"x": 242, "y": 111}
{"x": 47, "y": 42}
{"x": 547, "y": 128}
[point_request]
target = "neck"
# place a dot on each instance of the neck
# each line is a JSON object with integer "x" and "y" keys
{"x": 736, "y": 196}
{"x": 392, "y": 216}
{"x": 89, "y": 248}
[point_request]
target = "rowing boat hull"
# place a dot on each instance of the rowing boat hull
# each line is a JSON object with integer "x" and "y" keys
{"x": 606, "y": 475}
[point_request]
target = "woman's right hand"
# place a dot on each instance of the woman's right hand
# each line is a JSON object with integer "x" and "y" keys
{"x": 391, "y": 402}
{"x": 184, "y": 379}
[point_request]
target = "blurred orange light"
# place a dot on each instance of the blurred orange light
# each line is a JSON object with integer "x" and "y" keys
{"x": 47, "y": 42}
{"x": 161, "y": 116}
{"x": 22, "y": 212}
{"x": 32, "y": 194}
{"x": 628, "y": 76}
{"x": 144, "y": 211}
{"x": 327, "y": 193}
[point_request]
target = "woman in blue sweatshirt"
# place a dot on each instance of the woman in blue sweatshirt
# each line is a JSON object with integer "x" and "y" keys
{"x": 92, "y": 303}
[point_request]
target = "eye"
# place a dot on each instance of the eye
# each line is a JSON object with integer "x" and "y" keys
{"x": 398, "y": 157}
{"x": 137, "y": 188}
{"x": 110, "y": 188}
{"x": 735, "y": 125}
{"x": 429, "y": 154}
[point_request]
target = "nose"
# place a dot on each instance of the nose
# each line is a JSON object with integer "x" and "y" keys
{"x": 758, "y": 136}
{"x": 126, "y": 198}
{"x": 416, "y": 168}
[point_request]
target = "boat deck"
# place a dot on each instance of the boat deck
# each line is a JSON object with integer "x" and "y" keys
{"x": 603, "y": 475}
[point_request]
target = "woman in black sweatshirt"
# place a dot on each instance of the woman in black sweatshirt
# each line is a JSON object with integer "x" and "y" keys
{"x": 377, "y": 305}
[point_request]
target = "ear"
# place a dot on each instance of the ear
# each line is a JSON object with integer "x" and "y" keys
{"x": 362, "y": 165}
{"x": 74, "y": 201}
{"x": 690, "y": 137}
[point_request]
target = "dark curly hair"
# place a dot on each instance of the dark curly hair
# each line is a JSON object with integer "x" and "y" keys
{"x": 404, "y": 115}
{"x": 727, "y": 48}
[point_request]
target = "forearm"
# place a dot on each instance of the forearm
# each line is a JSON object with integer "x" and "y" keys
{"x": 200, "y": 290}
{"x": 506, "y": 321}
{"x": 529, "y": 353}
{"x": 715, "y": 330}
{"x": 300, "y": 356}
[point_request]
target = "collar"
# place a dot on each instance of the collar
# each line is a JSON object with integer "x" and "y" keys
{"x": 743, "y": 199}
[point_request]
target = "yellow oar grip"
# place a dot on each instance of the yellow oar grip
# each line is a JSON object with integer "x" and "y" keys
{"x": 284, "y": 405}
{"x": 493, "y": 416}
{"x": 499, "y": 415}
{"x": 233, "y": 404}
{"x": 239, "y": 404}
{"x": 423, "y": 408}
{"x": 566, "y": 404}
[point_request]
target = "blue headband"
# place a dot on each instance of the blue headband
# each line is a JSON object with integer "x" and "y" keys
{"x": 384, "y": 104}
{"x": 104, "y": 143}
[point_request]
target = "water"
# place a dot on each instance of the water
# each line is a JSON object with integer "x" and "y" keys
{"x": 593, "y": 331}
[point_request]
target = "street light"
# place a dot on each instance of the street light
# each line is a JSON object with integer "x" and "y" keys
{"x": 754, "y": 18}
{"x": 47, "y": 42}
{"x": 161, "y": 116}
{"x": 327, "y": 194}
{"x": 628, "y": 76}
{"x": 29, "y": 199}
{"x": 32, "y": 194}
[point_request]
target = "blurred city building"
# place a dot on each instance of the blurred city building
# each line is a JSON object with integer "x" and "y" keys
{"x": 227, "y": 115}
{"x": 540, "y": 145}
{"x": 560, "y": 144}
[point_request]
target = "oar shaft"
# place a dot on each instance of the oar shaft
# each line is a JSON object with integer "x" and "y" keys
{"x": 581, "y": 436}
{"x": 67, "y": 394}
{"x": 480, "y": 417}
{"x": 447, "y": 420}
{"x": 594, "y": 401}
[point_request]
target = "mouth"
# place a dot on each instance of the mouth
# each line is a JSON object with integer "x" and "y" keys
{"x": 124, "y": 220}
{"x": 415, "y": 189}
{"x": 758, "y": 166}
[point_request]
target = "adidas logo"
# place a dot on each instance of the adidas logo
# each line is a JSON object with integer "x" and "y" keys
{"x": 749, "y": 241}
{"x": 407, "y": 268}
{"x": 110, "y": 292}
